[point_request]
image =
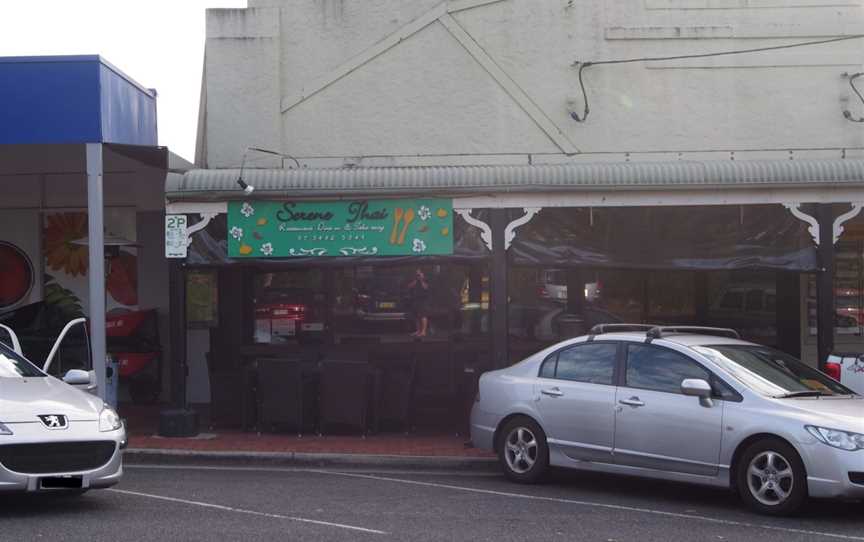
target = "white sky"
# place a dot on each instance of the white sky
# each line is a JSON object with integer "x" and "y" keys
{"x": 159, "y": 43}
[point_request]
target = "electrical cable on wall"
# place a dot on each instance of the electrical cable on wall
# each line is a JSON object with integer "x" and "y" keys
{"x": 582, "y": 66}
{"x": 846, "y": 113}
{"x": 248, "y": 188}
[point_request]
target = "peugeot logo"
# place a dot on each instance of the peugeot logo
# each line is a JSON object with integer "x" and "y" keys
{"x": 54, "y": 421}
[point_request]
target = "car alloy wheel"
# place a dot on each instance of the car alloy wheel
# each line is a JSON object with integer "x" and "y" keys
{"x": 770, "y": 478}
{"x": 521, "y": 450}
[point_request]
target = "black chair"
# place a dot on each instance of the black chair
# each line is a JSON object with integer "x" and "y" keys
{"x": 434, "y": 388}
{"x": 344, "y": 395}
{"x": 279, "y": 394}
{"x": 470, "y": 366}
{"x": 394, "y": 394}
{"x": 226, "y": 405}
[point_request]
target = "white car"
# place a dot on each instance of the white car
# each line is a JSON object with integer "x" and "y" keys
{"x": 848, "y": 369}
{"x": 54, "y": 437}
{"x": 679, "y": 403}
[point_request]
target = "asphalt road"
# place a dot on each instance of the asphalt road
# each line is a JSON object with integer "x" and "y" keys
{"x": 235, "y": 503}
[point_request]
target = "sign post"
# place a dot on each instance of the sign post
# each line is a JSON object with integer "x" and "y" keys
{"x": 175, "y": 236}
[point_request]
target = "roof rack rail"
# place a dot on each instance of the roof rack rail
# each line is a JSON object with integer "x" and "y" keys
{"x": 600, "y": 329}
{"x": 658, "y": 331}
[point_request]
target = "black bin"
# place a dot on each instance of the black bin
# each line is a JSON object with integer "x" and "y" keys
{"x": 178, "y": 423}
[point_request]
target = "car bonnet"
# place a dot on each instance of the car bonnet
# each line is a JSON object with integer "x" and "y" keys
{"x": 22, "y": 400}
{"x": 833, "y": 412}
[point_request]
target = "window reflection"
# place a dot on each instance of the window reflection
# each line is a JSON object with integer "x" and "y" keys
{"x": 542, "y": 311}
{"x": 370, "y": 304}
{"x": 390, "y": 303}
{"x": 660, "y": 369}
{"x": 289, "y": 306}
{"x": 592, "y": 363}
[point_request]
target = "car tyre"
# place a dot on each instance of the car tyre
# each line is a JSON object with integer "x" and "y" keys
{"x": 523, "y": 451}
{"x": 771, "y": 478}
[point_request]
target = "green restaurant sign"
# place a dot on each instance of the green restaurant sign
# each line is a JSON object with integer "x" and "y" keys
{"x": 279, "y": 229}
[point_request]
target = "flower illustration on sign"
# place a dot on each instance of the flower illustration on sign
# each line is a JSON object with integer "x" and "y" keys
{"x": 61, "y": 252}
{"x": 424, "y": 213}
{"x": 419, "y": 245}
{"x": 237, "y": 233}
{"x": 267, "y": 249}
{"x": 247, "y": 210}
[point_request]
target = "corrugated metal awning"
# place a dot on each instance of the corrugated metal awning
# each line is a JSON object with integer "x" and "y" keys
{"x": 221, "y": 184}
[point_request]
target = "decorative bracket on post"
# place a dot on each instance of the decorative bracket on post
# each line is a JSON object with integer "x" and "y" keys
{"x": 845, "y": 217}
{"x": 795, "y": 209}
{"x": 200, "y": 225}
{"x": 485, "y": 230}
{"x": 510, "y": 230}
{"x": 206, "y": 210}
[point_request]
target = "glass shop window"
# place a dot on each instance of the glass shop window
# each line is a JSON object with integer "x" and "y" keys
{"x": 537, "y": 304}
{"x": 671, "y": 297}
{"x": 289, "y": 306}
{"x": 402, "y": 303}
{"x": 746, "y": 301}
{"x": 848, "y": 289}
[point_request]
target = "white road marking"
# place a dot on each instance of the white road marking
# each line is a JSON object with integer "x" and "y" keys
{"x": 250, "y": 512}
{"x": 593, "y": 504}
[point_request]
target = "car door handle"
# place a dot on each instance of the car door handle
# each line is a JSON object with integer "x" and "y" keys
{"x": 633, "y": 401}
{"x": 552, "y": 392}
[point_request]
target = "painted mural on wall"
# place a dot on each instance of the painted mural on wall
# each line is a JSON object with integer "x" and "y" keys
{"x": 16, "y": 275}
{"x": 20, "y": 259}
{"x": 272, "y": 229}
{"x": 67, "y": 264}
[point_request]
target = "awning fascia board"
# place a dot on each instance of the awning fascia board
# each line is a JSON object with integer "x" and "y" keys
{"x": 577, "y": 184}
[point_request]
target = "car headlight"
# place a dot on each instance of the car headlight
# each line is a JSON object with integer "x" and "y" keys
{"x": 109, "y": 420}
{"x": 5, "y": 430}
{"x": 843, "y": 440}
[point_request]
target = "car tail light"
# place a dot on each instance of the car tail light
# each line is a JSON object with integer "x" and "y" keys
{"x": 833, "y": 370}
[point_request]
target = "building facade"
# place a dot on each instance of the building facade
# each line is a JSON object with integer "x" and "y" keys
{"x": 671, "y": 161}
{"x": 81, "y": 218}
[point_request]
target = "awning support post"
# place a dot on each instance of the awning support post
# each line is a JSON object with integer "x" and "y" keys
{"x": 177, "y": 306}
{"x": 96, "y": 255}
{"x": 498, "y": 221}
{"x": 825, "y": 284}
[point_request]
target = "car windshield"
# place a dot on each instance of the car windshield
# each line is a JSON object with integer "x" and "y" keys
{"x": 772, "y": 372}
{"x": 14, "y": 366}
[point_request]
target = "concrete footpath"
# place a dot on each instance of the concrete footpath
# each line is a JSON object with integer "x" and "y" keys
{"x": 305, "y": 459}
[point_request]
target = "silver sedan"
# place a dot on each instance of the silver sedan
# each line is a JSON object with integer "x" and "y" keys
{"x": 54, "y": 437}
{"x": 685, "y": 404}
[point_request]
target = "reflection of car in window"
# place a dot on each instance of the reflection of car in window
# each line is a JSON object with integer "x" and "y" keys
{"x": 283, "y": 314}
{"x": 749, "y": 308}
{"x": 381, "y": 297}
{"x": 848, "y": 306}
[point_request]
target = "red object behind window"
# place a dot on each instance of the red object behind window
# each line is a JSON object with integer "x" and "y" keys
{"x": 833, "y": 370}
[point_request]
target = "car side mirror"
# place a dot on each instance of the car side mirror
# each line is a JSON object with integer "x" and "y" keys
{"x": 77, "y": 377}
{"x": 696, "y": 387}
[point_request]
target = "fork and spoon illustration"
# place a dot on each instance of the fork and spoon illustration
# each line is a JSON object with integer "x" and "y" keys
{"x": 404, "y": 217}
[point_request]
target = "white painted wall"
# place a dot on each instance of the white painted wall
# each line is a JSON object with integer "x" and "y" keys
{"x": 319, "y": 79}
